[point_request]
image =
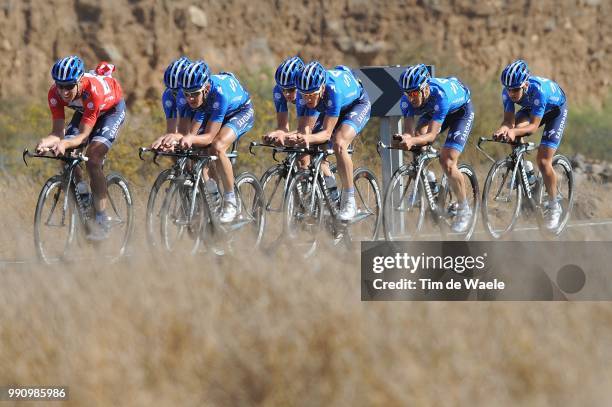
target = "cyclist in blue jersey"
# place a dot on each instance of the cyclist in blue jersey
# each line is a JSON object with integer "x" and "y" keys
{"x": 543, "y": 103}
{"x": 174, "y": 102}
{"x": 344, "y": 109}
{"x": 441, "y": 103}
{"x": 221, "y": 112}
{"x": 285, "y": 92}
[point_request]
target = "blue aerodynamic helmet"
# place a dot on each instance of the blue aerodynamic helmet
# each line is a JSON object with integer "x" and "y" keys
{"x": 311, "y": 77}
{"x": 68, "y": 70}
{"x": 287, "y": 72}
{"x": 414, "y": 78}
{"x": 515, "y": 74}
{"x": 194, "y": 76}
{"x": 173, "y": 72}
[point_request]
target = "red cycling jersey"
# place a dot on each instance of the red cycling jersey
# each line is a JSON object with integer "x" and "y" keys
{"x": 98, "y": 94}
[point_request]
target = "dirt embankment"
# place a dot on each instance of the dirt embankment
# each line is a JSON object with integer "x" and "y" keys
{"x": 569, "y": 40}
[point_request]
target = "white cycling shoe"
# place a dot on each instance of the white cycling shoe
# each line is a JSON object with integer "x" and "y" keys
{"x": 229, "y": 212}
{"x": 462, "y": 220}
{"x": 348, "y": 210}
{"x": 100, "y": 229}
{"x": 552, "y": 215}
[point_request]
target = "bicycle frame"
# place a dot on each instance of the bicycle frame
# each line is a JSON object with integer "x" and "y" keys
{"x": 518, "y": 171}
{"x": 420, "y": 157}
{"x": 68, "y": 184}
{"x": 289, "y": 162}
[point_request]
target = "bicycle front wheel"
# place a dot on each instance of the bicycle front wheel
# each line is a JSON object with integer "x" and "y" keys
{"x": 55, "y": 221}
{"x": 303, "y": 212}
{"x": 501, "y": 202}
{"x": 404, "y": 206}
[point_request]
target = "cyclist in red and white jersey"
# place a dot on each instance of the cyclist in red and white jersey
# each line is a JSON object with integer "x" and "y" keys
{"x": 99, "y": 107}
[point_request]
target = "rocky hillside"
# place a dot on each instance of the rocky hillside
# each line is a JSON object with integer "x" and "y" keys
{"x": 570, "y": 40}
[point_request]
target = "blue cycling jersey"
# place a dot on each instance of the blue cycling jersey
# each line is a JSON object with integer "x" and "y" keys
{"x": 341, "y": 90}
{"x": 174, "y": 104}
{"x": 226, "y": 96}
{"x": 280, "y": 103}
{"x": 447, "y": 95}
{"x": 542, "y": 95}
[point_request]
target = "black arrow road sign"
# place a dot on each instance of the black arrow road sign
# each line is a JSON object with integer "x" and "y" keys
{"x": 381, "y": 84}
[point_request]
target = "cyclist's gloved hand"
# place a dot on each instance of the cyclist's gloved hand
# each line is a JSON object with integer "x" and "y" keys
{"x": 157, "y": 144}
{"x": 303, "y": 139}
{"x": 500, "y": 134}
{"x": 46, "y": 144}
{"x": 407, "y": 142}
{"x": 510, "y": 136}
{"x": 60, "y": 148}
{"x": 170, "y": 140}
{"x": 186, "y": 142}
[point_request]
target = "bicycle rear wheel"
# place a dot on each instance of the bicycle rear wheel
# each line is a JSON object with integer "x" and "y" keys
{"x": 501, "y": 204}
{"x": 565, "y": 196}
{"x": 249, "y": 224}
{"x": 273, "y": 184}
{"x": 121, "y": 211}
{"x": 55, "y": 221}
{"x": 154, "y": 204}
{"x": 183, "y": 218}
{"x": 366, "y": 223}
{"x": 449, "y": 203}
{"x": 404, "y": 206}
{"x": 303, "y": 212}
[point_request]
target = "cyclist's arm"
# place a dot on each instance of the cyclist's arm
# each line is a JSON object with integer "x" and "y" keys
{"x": 84, "y": 132}
{"x": 409, "y": 126}
{"x": 57, "y": 132}
{"x": 432, "y": 131}
{"x": 507, "y": 123}
{"x": 211, "y": 131}
{"x": 183, "y": 125}
{"x": 282, "y": 121}
{"x": 171, "y": 124}
{"x": 532, "y": 127}
{"x": 57, "y": 128}
{"x": 329, "y": 123}
{"x": 306, "y": 121}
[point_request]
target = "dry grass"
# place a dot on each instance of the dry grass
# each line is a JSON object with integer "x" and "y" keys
{"x": 277, "y": 332}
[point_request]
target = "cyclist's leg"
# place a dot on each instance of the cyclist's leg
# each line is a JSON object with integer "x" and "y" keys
{"x": 102, "y": 137}
{"x": 351, "y": 124}
{"x": 342, "y": 138}
{"x": 219, "y": 147}
{"x": 554, "y": 125}
{"x": 460, "y": 125}
{"x": 233, "y": 128}
{"x": 96, "y": 152}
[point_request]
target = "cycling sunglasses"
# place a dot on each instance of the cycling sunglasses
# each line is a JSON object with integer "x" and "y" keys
{"x": 193, "y": 94}
{"x": 63, "y": 86}
{"x": 412, "y": 93}
{"x": 514, "y": 90}
{"x": 311, "y": 95}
